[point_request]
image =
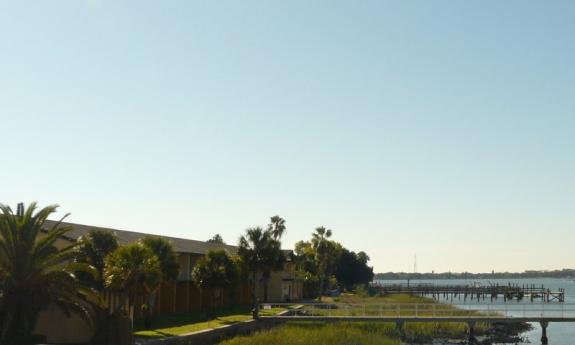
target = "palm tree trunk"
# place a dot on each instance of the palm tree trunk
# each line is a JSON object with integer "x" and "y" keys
{"x": 201, "y": 304}
{"x": 321, "y": 279}
{"x": 149, "y": 310}
{"x": 255, "y": 310}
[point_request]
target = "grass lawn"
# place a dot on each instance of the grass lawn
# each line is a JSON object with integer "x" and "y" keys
{"x": 178, "y": 324}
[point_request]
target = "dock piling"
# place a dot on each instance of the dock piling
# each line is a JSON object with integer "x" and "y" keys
{"x": 544, "y": 339}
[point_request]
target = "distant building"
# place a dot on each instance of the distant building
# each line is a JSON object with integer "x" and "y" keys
{"x": 179, "y": 297}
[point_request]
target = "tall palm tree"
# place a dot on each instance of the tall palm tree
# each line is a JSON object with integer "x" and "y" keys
{"x": 277, "y": 226}
{"x": 320, "y": 243}
{"x": 260, "y": 252}
{"x": 35, "y": 273}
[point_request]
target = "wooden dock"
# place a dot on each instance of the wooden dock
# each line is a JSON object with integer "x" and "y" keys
{"x": 510, "y": 291}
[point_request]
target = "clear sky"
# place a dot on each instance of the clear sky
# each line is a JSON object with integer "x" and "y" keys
{"x": 444, "y": 129}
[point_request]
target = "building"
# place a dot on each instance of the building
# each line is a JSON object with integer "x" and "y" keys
{"x": 182, "y": 295}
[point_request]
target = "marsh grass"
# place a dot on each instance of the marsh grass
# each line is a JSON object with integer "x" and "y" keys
{"x": 365, "y": 333}
{"x": 320, "y": 334}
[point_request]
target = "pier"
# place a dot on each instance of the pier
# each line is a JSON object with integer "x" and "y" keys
{"x": 492, "y": 293}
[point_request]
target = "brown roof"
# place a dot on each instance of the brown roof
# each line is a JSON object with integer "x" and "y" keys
{"x": 181, "y": 245}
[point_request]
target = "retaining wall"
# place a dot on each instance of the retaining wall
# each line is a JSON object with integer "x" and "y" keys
{"x": 213, "y": 335}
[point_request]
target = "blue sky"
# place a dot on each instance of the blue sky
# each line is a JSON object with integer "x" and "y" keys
{"x": 440, "y": 128}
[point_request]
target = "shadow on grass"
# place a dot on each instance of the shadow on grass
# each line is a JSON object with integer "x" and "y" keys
{"x": 161, "y": 324}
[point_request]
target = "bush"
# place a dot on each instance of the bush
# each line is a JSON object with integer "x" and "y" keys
{"x": 364, "y": 290}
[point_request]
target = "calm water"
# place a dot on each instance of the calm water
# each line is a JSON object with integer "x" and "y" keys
{"x": 558, "y": 333}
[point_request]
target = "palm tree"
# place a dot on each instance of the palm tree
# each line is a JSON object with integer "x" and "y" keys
{"x": 320, "y": 244}
{"x": 134, "y": 271}
{"x": 165, "y": 253}
{"x": 93, "y": 248}
{"x": 35, "y": 273}
{"x": 261, "y": 253}
{"x": 277, "y": 226}
{"x": 216, "y": 270}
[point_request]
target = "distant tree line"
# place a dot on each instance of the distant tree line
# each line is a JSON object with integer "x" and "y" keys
{"x": 564, "y": 273}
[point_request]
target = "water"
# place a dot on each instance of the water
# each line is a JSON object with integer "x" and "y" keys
{"x": 557, "y": 332}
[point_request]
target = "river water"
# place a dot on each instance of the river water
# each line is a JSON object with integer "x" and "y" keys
{"x": 558, "y": 333}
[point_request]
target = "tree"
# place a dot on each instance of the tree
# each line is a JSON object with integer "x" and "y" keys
{"x": 352, "y": 269}
{"x": 216, "y": 270}
{"x": 35, "y": 273}
{"x": 321, "y": 246}
{"x": 92, "y": 249}
{"x": 277, "y": 227}
{"x": 216, "y": 239}
{"x": 260, "y": 252}
{"x": 307, "y": 265}
{"x": 133, "y": 271}
{"x": 363, "y": 257}
{"x": 166, "y": 255}
{"x": 305, "y": 257}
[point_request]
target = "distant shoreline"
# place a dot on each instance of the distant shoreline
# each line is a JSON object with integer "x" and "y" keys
{"x": 558, "y": 274}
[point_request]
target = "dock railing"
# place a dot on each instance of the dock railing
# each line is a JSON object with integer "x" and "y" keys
{"x": 431, "y": 310}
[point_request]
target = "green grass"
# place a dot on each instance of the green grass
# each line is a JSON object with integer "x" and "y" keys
{"x": 178, "y": 324}
{"x": 304, "y": 333}
{"x": 351, "y": 333}
{"x": 364, "y": 333}
{"x": 321, "y": 334}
